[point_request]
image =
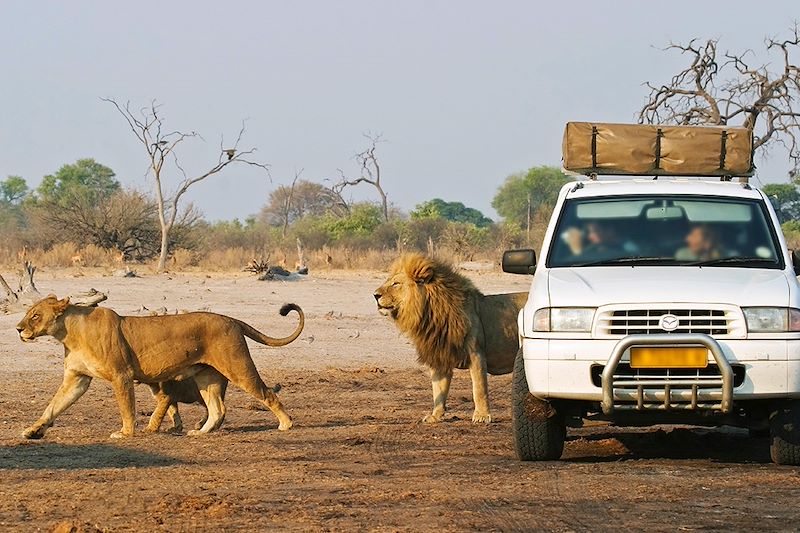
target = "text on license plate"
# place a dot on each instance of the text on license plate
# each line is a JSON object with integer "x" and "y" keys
{"x": 669, "y": 357}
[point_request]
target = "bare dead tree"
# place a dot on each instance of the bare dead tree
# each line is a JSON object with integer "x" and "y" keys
{"x": 729, "y": 89}
{"x": 307, "y": 199}
{"x": 266, "y": 271}
{"x": 370, "y": 172}
{"x": 302, "y": 268}
{"x": 148, "y": 127}
{"x": 287, "y": 206}
{"x": 11, "y": 296}
{"x": 27, "y": 294}
{"x": 337, "y": 192}
{"x": 258, "y": 266}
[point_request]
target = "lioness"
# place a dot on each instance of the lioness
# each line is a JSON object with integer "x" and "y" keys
{"x": 100, "y": 343}
{"x": 452, "y": 325}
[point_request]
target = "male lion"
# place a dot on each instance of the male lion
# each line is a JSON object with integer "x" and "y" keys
{"x": 100, "y": 343}
{"x": 453, "y": 325}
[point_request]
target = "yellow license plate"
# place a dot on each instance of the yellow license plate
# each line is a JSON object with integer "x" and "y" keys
{"x": 669, "y": 357}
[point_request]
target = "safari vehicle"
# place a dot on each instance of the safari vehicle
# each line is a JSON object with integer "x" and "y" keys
{"x": 662, "y": 299}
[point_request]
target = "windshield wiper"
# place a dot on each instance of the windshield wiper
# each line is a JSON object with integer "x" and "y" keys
{"x": 625, "y": 261}
{"x": 736, "y": 260}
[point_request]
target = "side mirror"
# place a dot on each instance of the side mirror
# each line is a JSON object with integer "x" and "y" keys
{"x": 796, "y": 262}
{"x": 519, "y": 261}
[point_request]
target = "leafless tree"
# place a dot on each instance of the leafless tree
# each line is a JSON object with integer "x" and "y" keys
{"x": 302, "y": 198}
{"x": 27, "y": 293}
{"x": 337, "y": 193}
{"x": 731, "y": 90}
{"x": 287, "y": 205}
{"x": 370, "y": 172}
{"x": 148, "y": 127}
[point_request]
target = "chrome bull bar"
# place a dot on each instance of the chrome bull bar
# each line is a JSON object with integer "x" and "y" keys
{"x": 715, "y": 393}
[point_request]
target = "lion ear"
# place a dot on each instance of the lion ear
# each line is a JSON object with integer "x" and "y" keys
{"x": 61, "y": 305}
{"x": 422, "y": 273}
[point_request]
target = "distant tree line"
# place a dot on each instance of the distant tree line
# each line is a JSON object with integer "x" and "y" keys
{"x": 84, "y": 203}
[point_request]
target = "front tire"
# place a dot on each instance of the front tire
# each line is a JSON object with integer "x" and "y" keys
{"x": 784, "y": 434}
{"x": 539, "y": 431}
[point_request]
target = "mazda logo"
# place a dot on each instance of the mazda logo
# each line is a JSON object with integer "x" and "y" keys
{"x": 669, "y": 322}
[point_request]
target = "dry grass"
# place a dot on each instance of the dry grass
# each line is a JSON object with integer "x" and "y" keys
{"x": 183, "y": 259}
{"x": 792, "y": 239}
{"x": 348, "y": 259}
{"x": 62, "y": 255}
{"x": 234, "y": 259}
{"x": 225, "y": 260}
{"x": 65, "y": 255}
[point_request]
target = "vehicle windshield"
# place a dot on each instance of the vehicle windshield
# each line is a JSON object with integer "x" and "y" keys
{"x": 664, "y": 230}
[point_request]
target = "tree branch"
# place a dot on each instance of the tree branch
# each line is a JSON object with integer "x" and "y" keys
{"x": 147, "y": 126}
{"x": 370, "y": 172}
{"x": 710, "y": 92}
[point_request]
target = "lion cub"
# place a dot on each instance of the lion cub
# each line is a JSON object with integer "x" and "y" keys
{"x": 169, "y": 393}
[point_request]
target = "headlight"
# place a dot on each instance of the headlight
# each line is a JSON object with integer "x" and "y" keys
{"x": 573, "y": 319}
{"x": 772, "y": 319}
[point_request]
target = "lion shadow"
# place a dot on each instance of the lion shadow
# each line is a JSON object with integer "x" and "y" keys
{"x": 50, "y": 456}
{"x": 265, "y": 428}
{"x": 331, "y": 423}
{"x": 718, "y": 445}
{"x": 273, "y": 428}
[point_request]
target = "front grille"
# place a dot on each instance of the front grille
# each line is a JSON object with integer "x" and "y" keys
{"x": 622, "y": 322}
{"x": 626, "y": 373}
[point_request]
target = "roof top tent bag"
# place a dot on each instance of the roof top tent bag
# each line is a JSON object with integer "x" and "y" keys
{"x": 644, "y": 149}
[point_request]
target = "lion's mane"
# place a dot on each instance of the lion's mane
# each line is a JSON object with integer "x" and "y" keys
{"x": 437, "y": 315}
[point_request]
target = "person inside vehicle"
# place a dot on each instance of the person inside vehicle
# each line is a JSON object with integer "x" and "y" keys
{"x": 597, "y": 241}
{"x": 703, "y": 243}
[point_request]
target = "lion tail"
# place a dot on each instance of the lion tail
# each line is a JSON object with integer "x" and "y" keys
{"x": 257, "y": 336}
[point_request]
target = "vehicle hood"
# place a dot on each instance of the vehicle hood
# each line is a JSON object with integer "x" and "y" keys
{"x": 596, "y": 286}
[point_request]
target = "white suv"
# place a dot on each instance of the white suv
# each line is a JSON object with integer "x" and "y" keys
{"x": 659, "y": 301}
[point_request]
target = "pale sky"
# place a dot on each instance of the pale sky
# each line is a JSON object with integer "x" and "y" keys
{"x": 464, "y": 92}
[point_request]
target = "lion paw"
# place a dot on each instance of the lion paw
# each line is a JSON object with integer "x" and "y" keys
{"x": 34, "y": 432}
{"x": 484, "y": 418}
{"x": 120, "y": 435}
{"x": 151, "y": 429}
{"x": 194, "y": 433}
{"x": 431, "y": 418}
{"x": 285, "y": 425}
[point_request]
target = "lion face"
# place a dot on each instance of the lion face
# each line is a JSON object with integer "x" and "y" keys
{"x": 41, "y": 319}
{"x": 391, "y": 295}
{"x": 404, "y": 286}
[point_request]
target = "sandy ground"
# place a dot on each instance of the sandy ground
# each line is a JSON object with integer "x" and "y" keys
{"x": 356, "y": 459}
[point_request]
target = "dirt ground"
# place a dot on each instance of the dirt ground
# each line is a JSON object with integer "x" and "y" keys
{"x": 356, "y": 458}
